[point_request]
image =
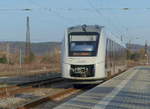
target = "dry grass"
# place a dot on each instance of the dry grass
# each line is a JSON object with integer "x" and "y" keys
{"x": 27, "y": 69}
{"x": 49, "y": 62}
{"x": 132, "y": 63}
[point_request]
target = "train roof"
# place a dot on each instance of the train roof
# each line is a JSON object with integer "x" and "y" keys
{"x": 95, "y": 28}
{"x": 84, "y": 28}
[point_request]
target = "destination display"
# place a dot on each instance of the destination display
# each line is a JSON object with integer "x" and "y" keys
{"x": 83, "y": 37}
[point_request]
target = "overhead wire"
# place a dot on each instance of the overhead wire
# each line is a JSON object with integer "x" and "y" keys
{"x": 52, "y": 10}
{"x": 98, "y": 12}
{"x": 68, "y": 19}
{"x": 17, "y": 9}
{"x": 71, "y": 9}
{"x": 118, "y": 34}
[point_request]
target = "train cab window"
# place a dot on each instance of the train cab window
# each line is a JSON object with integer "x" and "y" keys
{"x": 85, "y": 44}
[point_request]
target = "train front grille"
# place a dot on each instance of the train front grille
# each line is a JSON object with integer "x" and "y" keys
{"x": 82, "y": 71}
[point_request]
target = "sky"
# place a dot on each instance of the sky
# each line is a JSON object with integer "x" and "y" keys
{"x": 50, "y": 18}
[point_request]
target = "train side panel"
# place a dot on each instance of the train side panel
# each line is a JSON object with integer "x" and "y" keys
{"x": 115, "y": 57}
{"x": 100, "y": 66}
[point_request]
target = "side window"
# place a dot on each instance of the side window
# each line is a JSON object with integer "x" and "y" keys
{"x": 107, "y": 54}
{"x": 112, "y": 50}
{"x": 107, "y": 48}
{"x": 111, "y": 53}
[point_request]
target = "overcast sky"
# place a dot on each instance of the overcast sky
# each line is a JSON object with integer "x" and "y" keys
{"x": 49, "y": 18}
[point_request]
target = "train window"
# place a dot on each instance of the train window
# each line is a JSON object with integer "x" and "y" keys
{"x": 83, "y": 44}
{"x": 107, "y": 54}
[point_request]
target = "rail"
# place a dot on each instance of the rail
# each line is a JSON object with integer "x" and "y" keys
{"x": 20, "y": 88}
{"x": 56, "y": 97}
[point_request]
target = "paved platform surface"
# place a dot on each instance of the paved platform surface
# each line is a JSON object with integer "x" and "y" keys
{"x": 130, "y": 90}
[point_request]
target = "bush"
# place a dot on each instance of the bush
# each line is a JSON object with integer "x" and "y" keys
{"x": 3, "y": 59}
{"x": 135, "y": 56}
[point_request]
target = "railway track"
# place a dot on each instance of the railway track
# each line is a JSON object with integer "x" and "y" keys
{"x": 25, "y": 87}
{"x": 55, "y": 98}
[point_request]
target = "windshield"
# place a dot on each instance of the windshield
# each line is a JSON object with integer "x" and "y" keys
{"x": 83, "y": 45}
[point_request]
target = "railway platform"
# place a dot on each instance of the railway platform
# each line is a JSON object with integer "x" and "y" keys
{"x": 129, "y": 90}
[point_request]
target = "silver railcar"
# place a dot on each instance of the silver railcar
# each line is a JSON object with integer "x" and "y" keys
{"x": 90, "y": 55}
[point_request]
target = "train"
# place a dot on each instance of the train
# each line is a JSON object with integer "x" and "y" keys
{"x": 90, "y": 54}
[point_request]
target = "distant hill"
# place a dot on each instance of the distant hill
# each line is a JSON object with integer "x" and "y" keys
{"x": 136, "y": 47}
{"x": 47, "y": 47}
{"x": 37, "y": 48}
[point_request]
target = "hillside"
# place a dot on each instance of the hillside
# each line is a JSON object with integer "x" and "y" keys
{"x": 47, "y": 47}
{"x": 37, "y": 48}
{"x": 136, "y": 47}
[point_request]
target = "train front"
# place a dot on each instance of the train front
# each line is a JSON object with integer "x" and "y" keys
{"x": 83, "y": 55}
